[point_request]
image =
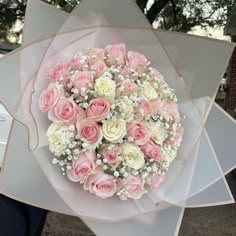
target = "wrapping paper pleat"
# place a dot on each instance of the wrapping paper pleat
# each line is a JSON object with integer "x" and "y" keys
{"x": 216, "y": 194}
{"x": 153, "y": 224}
{"x": 222, "y": 137}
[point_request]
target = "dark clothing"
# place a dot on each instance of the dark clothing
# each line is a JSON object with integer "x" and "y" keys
{"x": 19, "y": 219}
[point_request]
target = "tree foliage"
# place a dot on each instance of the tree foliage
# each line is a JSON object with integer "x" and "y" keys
{"x": 11, "y": 11}
{"x": 178, "y": 15}
{"x": 66, "y": 5}
{"x": 184, "y": 15}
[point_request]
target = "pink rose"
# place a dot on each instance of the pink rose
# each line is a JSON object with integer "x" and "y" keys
{"x": 151, "y": 150}
{"x": 98, "y": 69}
{"x": 140, "y": 133}
{"x": 156, "y": 180}
{"x": 144, "y": 109}
{"x": 132, "y": 186}
{"x": 57, "y": 73}
{"x": 77, "y": 63}
{"x": 101, "y": 184}
{"x": 178, "y": 136}
{"x": 162, "y": 105}
{"x": 82, "y": 80}
{"x": 89, "y": 132}
{"x": 115, "y": 54}
{"x": 129, "y": 88}
{"x": 65, "y": 111}
{"x": 96, "y": 55}
{"x": 82, "y": 166}
{"x": 171, "y": 109}
{"x": 158, "y": 105}
{"x": 157, "y": 74}
{"x": 49, "y": 98}
{"x": 128, "y": 73}
{"x": 112, "y": 155}
{"x": 137, "y": 61}
{"x": 98, "y": 109}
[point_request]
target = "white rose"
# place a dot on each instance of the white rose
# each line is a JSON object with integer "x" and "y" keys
{"x": 105, "y": 87}
{"x": 148, "y": 91}
{"x": 114, "y": 130}
{"x": 132, "y": 156}
{"x": 125, "y": 106}
{"x": 159, "y": 133}
{"x": 59, "y": 137}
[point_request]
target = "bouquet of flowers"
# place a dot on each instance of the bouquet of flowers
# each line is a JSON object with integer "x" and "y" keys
{"x": 116, "y": 125}
{"x": 110, "y": 121}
